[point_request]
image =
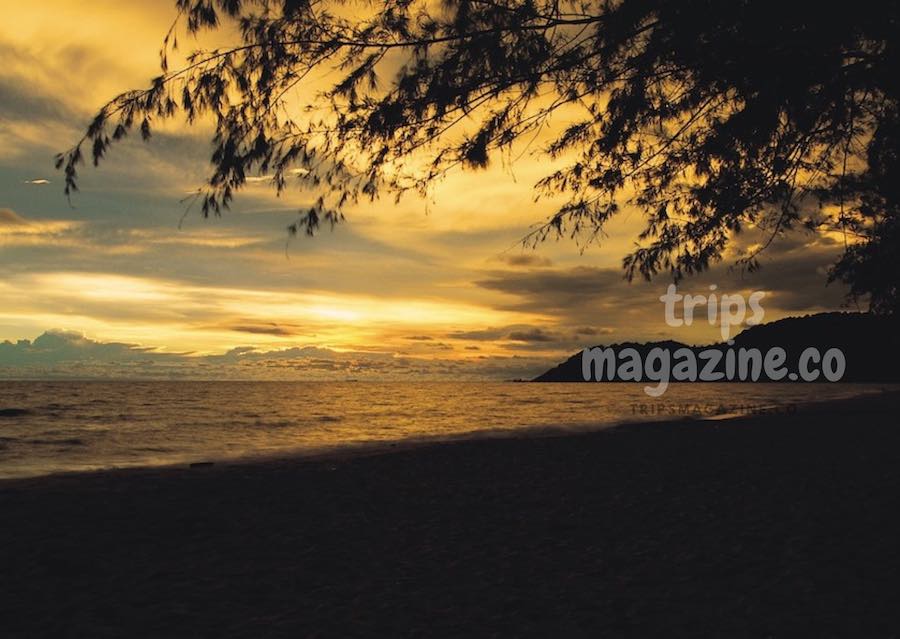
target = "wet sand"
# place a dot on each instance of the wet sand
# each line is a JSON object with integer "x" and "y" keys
{"x": 774, "y": 525}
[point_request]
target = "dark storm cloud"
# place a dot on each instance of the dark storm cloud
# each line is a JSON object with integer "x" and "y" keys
{"x": 583, "y": 303}
{"x": 554, "y": 287}
{"x": 576, "y": 296}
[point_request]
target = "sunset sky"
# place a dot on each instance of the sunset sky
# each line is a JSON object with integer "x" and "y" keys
{"x": 436, "y": 289}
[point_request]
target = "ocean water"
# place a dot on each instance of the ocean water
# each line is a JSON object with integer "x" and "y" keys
{"x": 49, "y": 427}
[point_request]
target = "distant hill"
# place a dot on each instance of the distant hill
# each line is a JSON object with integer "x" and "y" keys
{"x": 871, "y": 345}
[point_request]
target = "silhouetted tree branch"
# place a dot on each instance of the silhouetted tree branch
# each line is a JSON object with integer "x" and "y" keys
{"x": 710, "y": 117}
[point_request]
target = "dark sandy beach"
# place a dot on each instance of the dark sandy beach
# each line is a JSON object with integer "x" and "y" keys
{"x": 769, "y": 526}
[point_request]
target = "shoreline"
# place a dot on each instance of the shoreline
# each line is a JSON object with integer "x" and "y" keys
{"x": 778, "y": 525}
{"x": 367, "y": 449}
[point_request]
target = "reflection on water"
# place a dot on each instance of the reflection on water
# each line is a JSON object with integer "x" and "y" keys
{"x": 63, "y": 426}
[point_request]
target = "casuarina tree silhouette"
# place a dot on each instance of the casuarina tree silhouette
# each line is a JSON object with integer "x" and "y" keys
{"x": 708, "y": 116}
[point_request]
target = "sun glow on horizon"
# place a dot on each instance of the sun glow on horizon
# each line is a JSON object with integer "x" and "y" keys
{"x": 211, "y": 319}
